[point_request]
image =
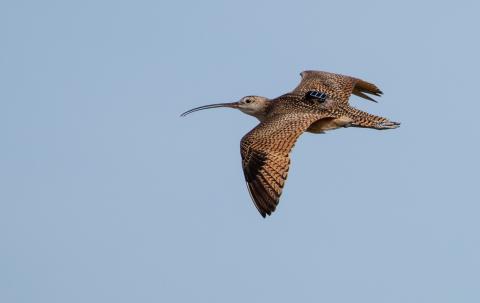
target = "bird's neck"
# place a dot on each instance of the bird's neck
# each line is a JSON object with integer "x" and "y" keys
{"x": 261, "y": 115}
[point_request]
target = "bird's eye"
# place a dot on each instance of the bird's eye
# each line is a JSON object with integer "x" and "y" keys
{"x": 248, "y": 101}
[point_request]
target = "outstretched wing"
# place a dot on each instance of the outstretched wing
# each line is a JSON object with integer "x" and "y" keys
{"x": 336, "y": 86}
{"x": 265, "y": 156}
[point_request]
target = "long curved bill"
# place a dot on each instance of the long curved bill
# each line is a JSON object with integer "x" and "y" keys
{"x": 231, "y": 105}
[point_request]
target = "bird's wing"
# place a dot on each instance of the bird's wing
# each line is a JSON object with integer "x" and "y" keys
{"x": 336, "y": 86}
{"x": 265, "y": 156}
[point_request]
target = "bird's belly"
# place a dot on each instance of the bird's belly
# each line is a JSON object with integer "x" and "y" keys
{"x": 325, "y": 124}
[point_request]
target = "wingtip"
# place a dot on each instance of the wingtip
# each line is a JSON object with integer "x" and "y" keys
{"x": 365, "y": 96}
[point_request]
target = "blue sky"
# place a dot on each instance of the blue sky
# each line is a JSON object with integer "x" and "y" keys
{"x": 107, "y": 195}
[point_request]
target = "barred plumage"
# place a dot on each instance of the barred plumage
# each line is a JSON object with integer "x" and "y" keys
{"x": 318, "y": 104}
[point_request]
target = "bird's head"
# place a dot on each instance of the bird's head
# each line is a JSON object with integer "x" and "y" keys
{"x": 251, "y": 105}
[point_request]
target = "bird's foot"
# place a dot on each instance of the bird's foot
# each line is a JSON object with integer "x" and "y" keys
{"x": 387, "y": 125}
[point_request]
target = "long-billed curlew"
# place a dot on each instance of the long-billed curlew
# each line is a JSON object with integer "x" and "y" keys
{"x": 319, "y": 103}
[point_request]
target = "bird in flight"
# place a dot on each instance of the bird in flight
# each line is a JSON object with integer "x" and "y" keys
{"x": 318, "y": 104}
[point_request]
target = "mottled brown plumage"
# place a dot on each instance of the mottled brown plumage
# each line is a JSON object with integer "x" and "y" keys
{"x": 318, "y": 104}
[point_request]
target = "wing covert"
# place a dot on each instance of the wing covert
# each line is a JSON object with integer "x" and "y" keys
{"x": 265, "y": 156}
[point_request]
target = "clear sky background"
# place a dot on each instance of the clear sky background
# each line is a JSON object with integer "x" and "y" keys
{"x": 107, "y": 195}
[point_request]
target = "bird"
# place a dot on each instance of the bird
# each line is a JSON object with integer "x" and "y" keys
{"x": 319, "y": 103}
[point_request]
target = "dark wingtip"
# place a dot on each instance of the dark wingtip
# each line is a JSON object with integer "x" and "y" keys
{"x": 365, "y": 96}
